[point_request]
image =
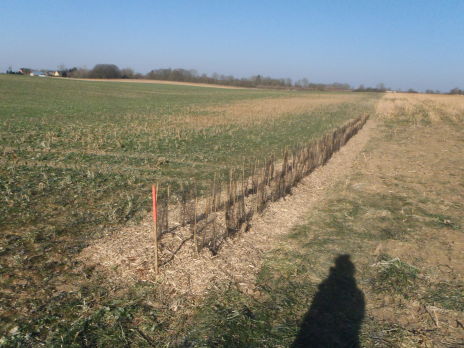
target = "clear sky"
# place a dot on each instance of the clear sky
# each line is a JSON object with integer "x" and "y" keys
{"x": 418, "y": 44}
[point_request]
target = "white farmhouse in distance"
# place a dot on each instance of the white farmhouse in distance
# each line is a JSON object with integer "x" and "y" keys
{"x": 37, "y": 73}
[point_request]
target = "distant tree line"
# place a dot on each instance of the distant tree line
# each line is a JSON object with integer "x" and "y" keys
{"x": 184, "y": 75}
{"x": 11, "y": 72}
{"x": 379, "y": 88}
{"x": 101, "y": 71}
{"x": 453, "y": 91}
{"x": 456, "y": 91}
{"x": 112, "y": 71}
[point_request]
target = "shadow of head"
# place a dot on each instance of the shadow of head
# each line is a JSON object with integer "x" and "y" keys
{"x": 344, "y": 266}
{"x": 336, "y": 312}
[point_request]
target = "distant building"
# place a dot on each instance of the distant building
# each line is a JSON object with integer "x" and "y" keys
{"x": 25, "y": 71}
{"x": 37, "y": 73}
{"x": 55, "y": 73}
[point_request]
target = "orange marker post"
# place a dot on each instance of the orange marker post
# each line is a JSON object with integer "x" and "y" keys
{"x": 155, "y": 231}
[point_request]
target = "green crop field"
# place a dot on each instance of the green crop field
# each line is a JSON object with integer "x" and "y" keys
{"x": 78, "y": 156}
{"x": 78, "y": 153}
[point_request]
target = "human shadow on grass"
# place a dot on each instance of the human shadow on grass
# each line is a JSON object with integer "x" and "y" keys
{"x": 336, "y": 313}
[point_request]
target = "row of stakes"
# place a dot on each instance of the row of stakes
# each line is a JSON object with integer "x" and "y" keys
{"x": 265, "y": 184}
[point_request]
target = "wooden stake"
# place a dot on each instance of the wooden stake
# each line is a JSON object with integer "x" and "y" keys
{"x": 259, "y": 188}
{"x": 258, "y": 175}
{"x": 214, "y": 235}
{"x": 154, "y": 192}
{"x": 253, "y": 173}
{"x": 218, "y": 196}
{"x": 244, "y": 190}
{"x": 167, "y": 208}
{"x": 244, "y": 187}
{"x": 182, "y": 210}
{"x": 195, "y": 218}
{"x": 214, "y": 203}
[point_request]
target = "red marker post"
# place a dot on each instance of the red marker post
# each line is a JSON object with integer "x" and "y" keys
{"x": 155, "y": 231}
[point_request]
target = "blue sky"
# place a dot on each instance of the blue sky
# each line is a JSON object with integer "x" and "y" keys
{"x": 418, "y": 44}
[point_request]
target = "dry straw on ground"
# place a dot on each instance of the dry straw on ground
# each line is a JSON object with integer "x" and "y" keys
{"x": 433, "y": 107}
{"x": 194, "y": 229}
{"x": 254, "y": 112}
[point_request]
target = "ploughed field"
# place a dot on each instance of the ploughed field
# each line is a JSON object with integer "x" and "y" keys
{"x": 81, "y": 156}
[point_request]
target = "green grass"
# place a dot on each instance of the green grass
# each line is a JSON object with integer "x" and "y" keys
{"x": 70, "y": 143}
{"x": 80, "y": 153}
{"x": 352, "y": 219}
{"x": 447, "y": 295}
{"x": 79, "y": 157}
{"x": 394, "y": 276}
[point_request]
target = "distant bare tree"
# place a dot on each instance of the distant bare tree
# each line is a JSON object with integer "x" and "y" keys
{"x": 127, "y": 73}
{"x": 381, "y": 87}
{"x": 253, "y": 81}
{"x": 78, "y": 73}
{"x": 456, "y": 91}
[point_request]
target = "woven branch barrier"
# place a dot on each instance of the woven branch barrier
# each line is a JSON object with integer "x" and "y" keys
{"x": 227, "y": 208}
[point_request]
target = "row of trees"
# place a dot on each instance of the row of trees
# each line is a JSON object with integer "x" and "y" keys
{"x": 184, "y": 75}
{"x": 101, "y": 71}
{"x": 379, "y": 88}
{"x": 457, "y": 91}
{"x": 112, "y": 71}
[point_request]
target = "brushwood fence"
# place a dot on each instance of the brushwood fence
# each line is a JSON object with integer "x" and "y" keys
{"x": 227, "y": 207}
